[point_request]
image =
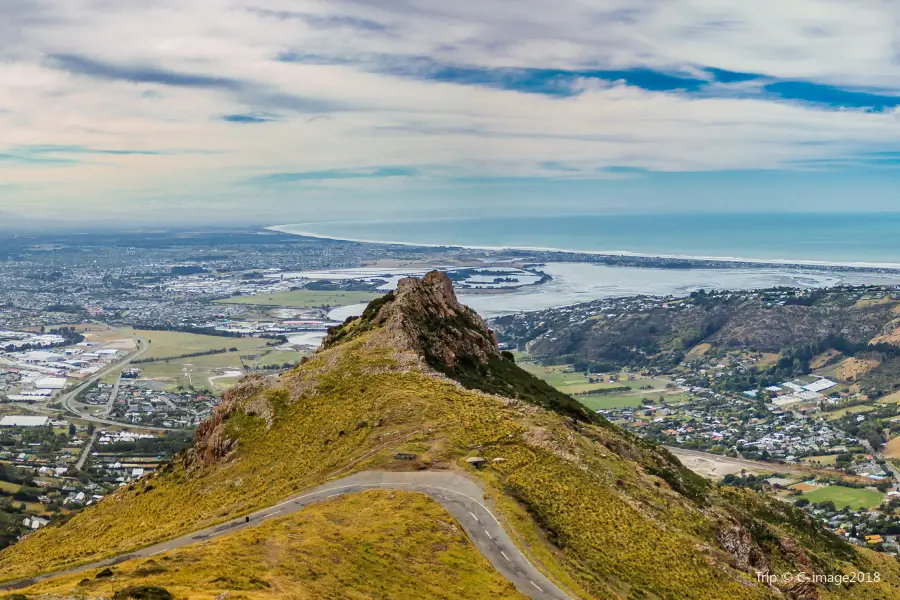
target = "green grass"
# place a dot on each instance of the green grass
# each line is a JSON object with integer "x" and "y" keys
{"x": 111, "y": 377}
{"x": 620, "y": 516}
{"x": 401, "y": 543}
{"x": 844, "y": 496}
{"x": 570, "y": 382}
{"x": 304, "y": 299}
{"x": 196, "y": 371}
{"x": 10, "y": 487}
{"x": 823, "y": 459}
{"x": 837, "y": 414}
{"x": 608, "y": 401}
{"x": 165, "y": 344}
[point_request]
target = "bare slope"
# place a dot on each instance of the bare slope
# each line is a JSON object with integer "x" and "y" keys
{"x": 603, "y": 513}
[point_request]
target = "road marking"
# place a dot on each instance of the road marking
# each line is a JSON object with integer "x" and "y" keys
{"x": 340, "y": 490}
{"x": 158, "y": 552}
{"x": 536, "y": 585}
{"x": 488, "y": 533}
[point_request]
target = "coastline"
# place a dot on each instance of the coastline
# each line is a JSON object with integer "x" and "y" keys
{"x": 775, "y": 263}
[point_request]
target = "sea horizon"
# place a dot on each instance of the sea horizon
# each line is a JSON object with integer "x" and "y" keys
{"x": 865, "y": 240}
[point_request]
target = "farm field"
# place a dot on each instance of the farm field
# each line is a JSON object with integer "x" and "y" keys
{"x": 843, "y": 496}
{"x": 605, "y": 402}
{"x": 206, "y": 372}
{"x": 304, "y": 299}
{"x": 837, "y": 414}
{"x": 890, "y": 399}
{"x": 165, "y": 344}
{"x": 822, "y": 459}
{"x": 892, "y": 448}
{"x": 571, "y": 382}
{"x": 574, "y": 383}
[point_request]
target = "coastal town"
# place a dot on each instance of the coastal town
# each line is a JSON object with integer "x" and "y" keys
{"x": 122, "y": 362}
{"x": 824, "y": 436}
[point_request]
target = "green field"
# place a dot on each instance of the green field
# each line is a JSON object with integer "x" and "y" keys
{"x": 843, "y": 496}
{"x": 822, "y": 459}
{"x": 610, "y": 401}
{"x": 10, "y": 487}
{"x": 304, "y": 299}
{"x": 164, "y": 344}
{"x": 837, "y": 414}
{"x": 573, "y": 383}
{"x": 196, "y": 371}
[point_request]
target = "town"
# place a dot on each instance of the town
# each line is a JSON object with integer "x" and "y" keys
{"x": 815, "y": 426}
{"x": 105, "y": 372}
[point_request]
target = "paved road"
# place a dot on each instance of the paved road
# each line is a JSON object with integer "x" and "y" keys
{"x": 113, "y": 394}
{"x": 460, "y": 496}
{"x": 68, "y": 399}
{"x": 87, "y": 451}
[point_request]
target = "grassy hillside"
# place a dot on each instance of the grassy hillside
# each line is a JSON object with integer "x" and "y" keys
{"x": 375, "y": 544}
{"x": 720, "y": 320}
{"x": 599, "y": 510}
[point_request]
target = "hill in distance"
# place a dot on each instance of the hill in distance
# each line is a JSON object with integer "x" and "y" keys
{"x": 600, "y": 512}
{"x": 667, "y": 333}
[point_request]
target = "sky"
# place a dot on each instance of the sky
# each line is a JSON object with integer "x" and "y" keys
{"x": 285, "y": 111}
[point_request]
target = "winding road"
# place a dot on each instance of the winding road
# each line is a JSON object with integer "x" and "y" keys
{"x": 68, "y": 399}
{"x": 460, "y": 496}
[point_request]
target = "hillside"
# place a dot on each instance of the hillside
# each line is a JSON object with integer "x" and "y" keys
{"x": 661, "y": 333}
{"x": 600, "y": 512}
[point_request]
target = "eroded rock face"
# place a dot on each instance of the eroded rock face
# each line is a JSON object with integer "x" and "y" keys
{"x": 212, "y": 443}
{"x": 745, "y": 554}
{"x": 427, "y": 316}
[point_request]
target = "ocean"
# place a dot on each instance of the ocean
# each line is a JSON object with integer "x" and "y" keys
{"x": 836, "y": 238}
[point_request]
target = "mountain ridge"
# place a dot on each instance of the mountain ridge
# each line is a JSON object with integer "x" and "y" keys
{"x": 600, "y": 511}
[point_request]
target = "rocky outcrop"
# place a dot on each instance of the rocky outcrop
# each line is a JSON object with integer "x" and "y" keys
{"x": 212, "y": 444}
{"x": 745, "y": 554}
{"x": 424, "y": 317}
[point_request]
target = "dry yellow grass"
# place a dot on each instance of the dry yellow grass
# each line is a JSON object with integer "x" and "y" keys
{"x": 890, "y": 398}
{"x": 820, "y": 360}
{"x": 375, "y": 544}
{"x": 890, "y": 334}
{"x": 892, "y": 448}
{"x": 598, "y": 509}
{"x": 853, "y": 368}
{"x": 697, "y": 351}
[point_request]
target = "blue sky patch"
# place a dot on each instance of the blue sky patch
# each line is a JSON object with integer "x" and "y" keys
{"x": 375, "y": 173}
{"x": 249, "y": 118}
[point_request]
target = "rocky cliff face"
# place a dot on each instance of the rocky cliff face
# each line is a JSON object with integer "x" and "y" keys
{"x": 424, "y": 316}
{"x": 212, "y": 444}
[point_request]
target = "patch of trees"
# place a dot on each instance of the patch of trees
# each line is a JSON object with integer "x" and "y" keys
{"x": 590, "y": 366}
{"x": 188, "y": 270}
{"x": 169, "y": 444}
{"x": 808, "y": 299}
{"x": 64, "y": 308}
{"x": 604, "y": 391}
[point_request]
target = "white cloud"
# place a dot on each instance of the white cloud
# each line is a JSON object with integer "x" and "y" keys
{"x": 219, "y": 59}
